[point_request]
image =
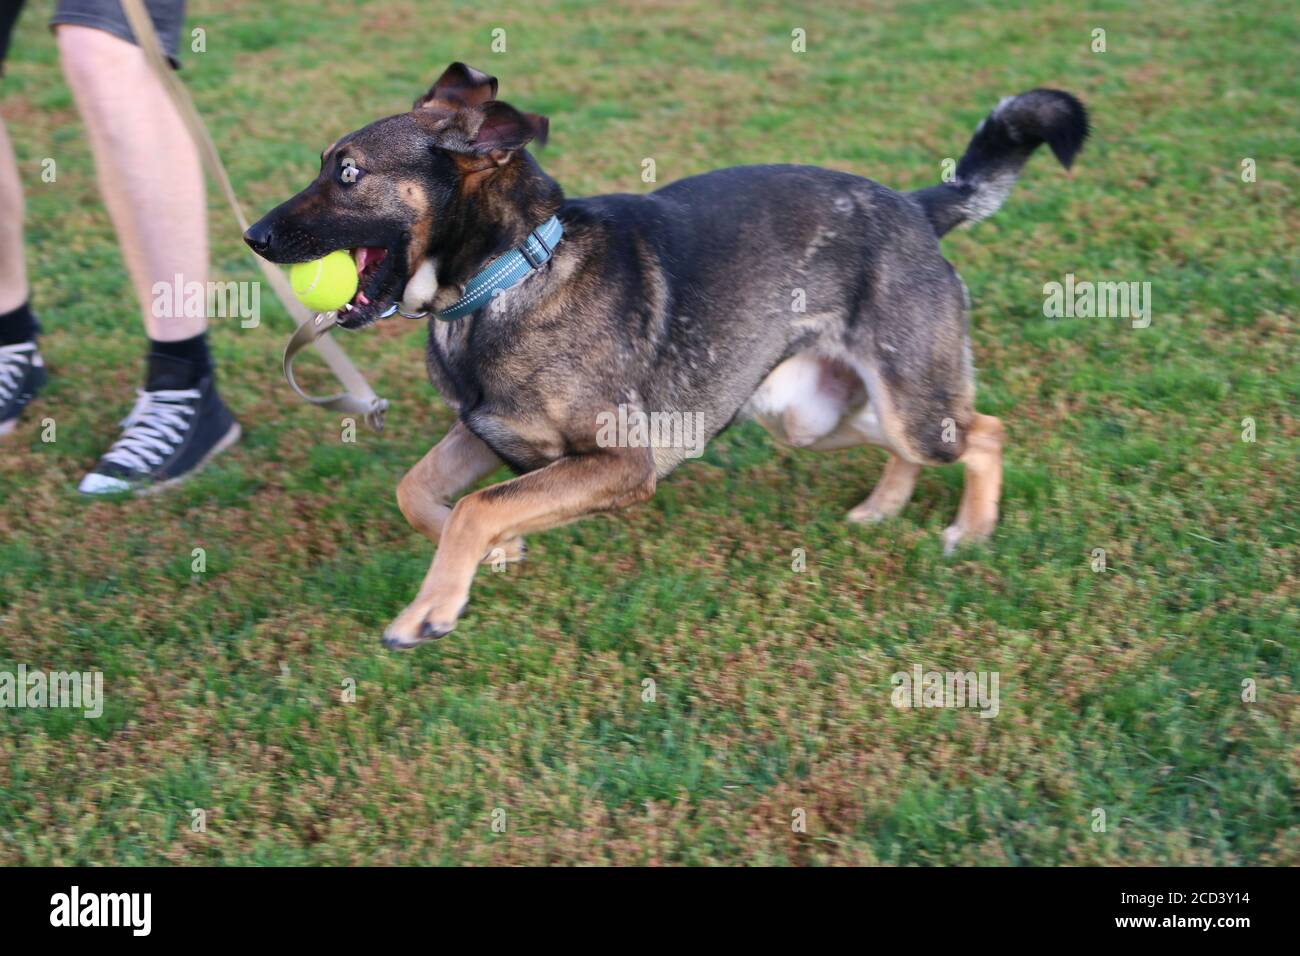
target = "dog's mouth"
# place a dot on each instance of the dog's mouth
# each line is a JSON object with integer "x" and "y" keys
{"x": 379, "y": 283}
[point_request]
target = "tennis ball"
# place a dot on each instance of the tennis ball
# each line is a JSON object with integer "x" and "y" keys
{"x": 325, "y": 284}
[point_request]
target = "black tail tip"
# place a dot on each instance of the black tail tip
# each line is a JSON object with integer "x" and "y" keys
{"x": 1053, "y": 117}
{"x": 1065, "y": 125}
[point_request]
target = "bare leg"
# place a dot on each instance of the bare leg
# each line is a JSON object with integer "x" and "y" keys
{"x": 562, "y": 491}
{"x": 148, "y": 170}
{"x": 13, "y": 263}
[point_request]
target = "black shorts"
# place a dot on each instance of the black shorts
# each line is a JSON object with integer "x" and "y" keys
{"x": 168, "y": 18}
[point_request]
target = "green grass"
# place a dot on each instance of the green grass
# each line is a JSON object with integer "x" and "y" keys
{"x": 1120, "y": 690}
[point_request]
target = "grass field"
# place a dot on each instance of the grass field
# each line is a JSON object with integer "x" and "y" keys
{"x": 1121, "y": 690}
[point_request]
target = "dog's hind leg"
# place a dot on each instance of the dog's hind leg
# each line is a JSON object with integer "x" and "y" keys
{"x": 891, "y": 494}
{"x": 819, "y": 403}
{"x": 913, "y": 353}
{"x": 897, "y": 481}
{"x": 456, "y": 462}
{"x": 927, "y": 425}
{"x": 567, "y": 489}
{"x": 978, "y": 512}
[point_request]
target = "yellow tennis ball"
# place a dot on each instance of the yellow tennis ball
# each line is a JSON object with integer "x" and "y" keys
{"x": 325, "y": 284}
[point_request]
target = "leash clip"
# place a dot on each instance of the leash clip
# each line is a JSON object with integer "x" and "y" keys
{"x": 396, "y": 309}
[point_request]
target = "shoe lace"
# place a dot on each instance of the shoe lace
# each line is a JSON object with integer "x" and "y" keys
{"x": 153, "y": 429}
{"x": 14, "y": 360}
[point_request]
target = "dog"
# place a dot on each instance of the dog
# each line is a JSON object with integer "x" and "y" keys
{"x": 817, "y": 302}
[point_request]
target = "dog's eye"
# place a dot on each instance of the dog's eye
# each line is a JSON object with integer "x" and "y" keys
{"x": 350, "y": 172}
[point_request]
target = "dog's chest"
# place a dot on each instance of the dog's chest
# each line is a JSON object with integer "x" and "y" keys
{"x": 450, "y": 369}
{"x": 471, "y": 365}
{"x": 482, "y": 377}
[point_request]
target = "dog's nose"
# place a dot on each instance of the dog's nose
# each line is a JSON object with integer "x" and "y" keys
{"x": 258, "y": 237}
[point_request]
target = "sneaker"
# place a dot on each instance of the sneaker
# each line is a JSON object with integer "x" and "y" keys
{"x": 171, "y": 433}
{"x": 22, "y": 373}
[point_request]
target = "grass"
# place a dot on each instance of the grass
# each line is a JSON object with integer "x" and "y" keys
{"x": 1121, "y": 690}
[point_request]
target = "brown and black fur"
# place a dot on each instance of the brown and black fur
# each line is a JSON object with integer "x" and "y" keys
{"x": 683, "y": 300}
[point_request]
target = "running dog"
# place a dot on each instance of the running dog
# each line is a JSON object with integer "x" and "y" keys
{"x": 816, "y": 301}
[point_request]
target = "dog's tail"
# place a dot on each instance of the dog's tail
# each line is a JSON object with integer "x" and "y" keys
{"x": 998, "y": 151}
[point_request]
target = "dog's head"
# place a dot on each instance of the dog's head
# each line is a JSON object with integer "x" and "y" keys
{"x": 418, "y": 198}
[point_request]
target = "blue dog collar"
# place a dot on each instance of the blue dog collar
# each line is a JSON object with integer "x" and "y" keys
{"x": 507, "y": 271}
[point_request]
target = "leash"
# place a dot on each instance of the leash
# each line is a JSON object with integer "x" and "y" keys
{"x": 312, "y": 332}
{"x": 358, "y": 398}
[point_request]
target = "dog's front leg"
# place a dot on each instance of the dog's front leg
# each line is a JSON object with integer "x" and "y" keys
{"x": 564, "y": 490}
{"x": 424, "y": 493}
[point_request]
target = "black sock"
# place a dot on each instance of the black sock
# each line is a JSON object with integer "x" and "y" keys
{"x": 181, "y": 364}
{"x": 18, "y": 326}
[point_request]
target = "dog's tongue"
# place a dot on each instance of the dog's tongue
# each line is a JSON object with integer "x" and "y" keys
{"x": 363, "y": 255}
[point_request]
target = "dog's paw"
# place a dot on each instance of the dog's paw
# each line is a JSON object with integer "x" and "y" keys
{"x": 414, "y": 627}
{"x": 865, "y": 513}
{"x": 955, "y": 536}
{"x": 396, "y": 640}
{"x": 881, "y": 505}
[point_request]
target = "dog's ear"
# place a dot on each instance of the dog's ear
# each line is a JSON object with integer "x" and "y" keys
{"x": 505, "y": 129}
{"x": 459, "y": 85}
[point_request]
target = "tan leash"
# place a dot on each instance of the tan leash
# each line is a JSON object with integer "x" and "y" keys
{"x": 359, "y": 398}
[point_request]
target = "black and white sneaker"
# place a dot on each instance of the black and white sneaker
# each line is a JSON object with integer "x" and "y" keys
{"x": 22, "y": 373}
{"x": 171, "y": 432}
